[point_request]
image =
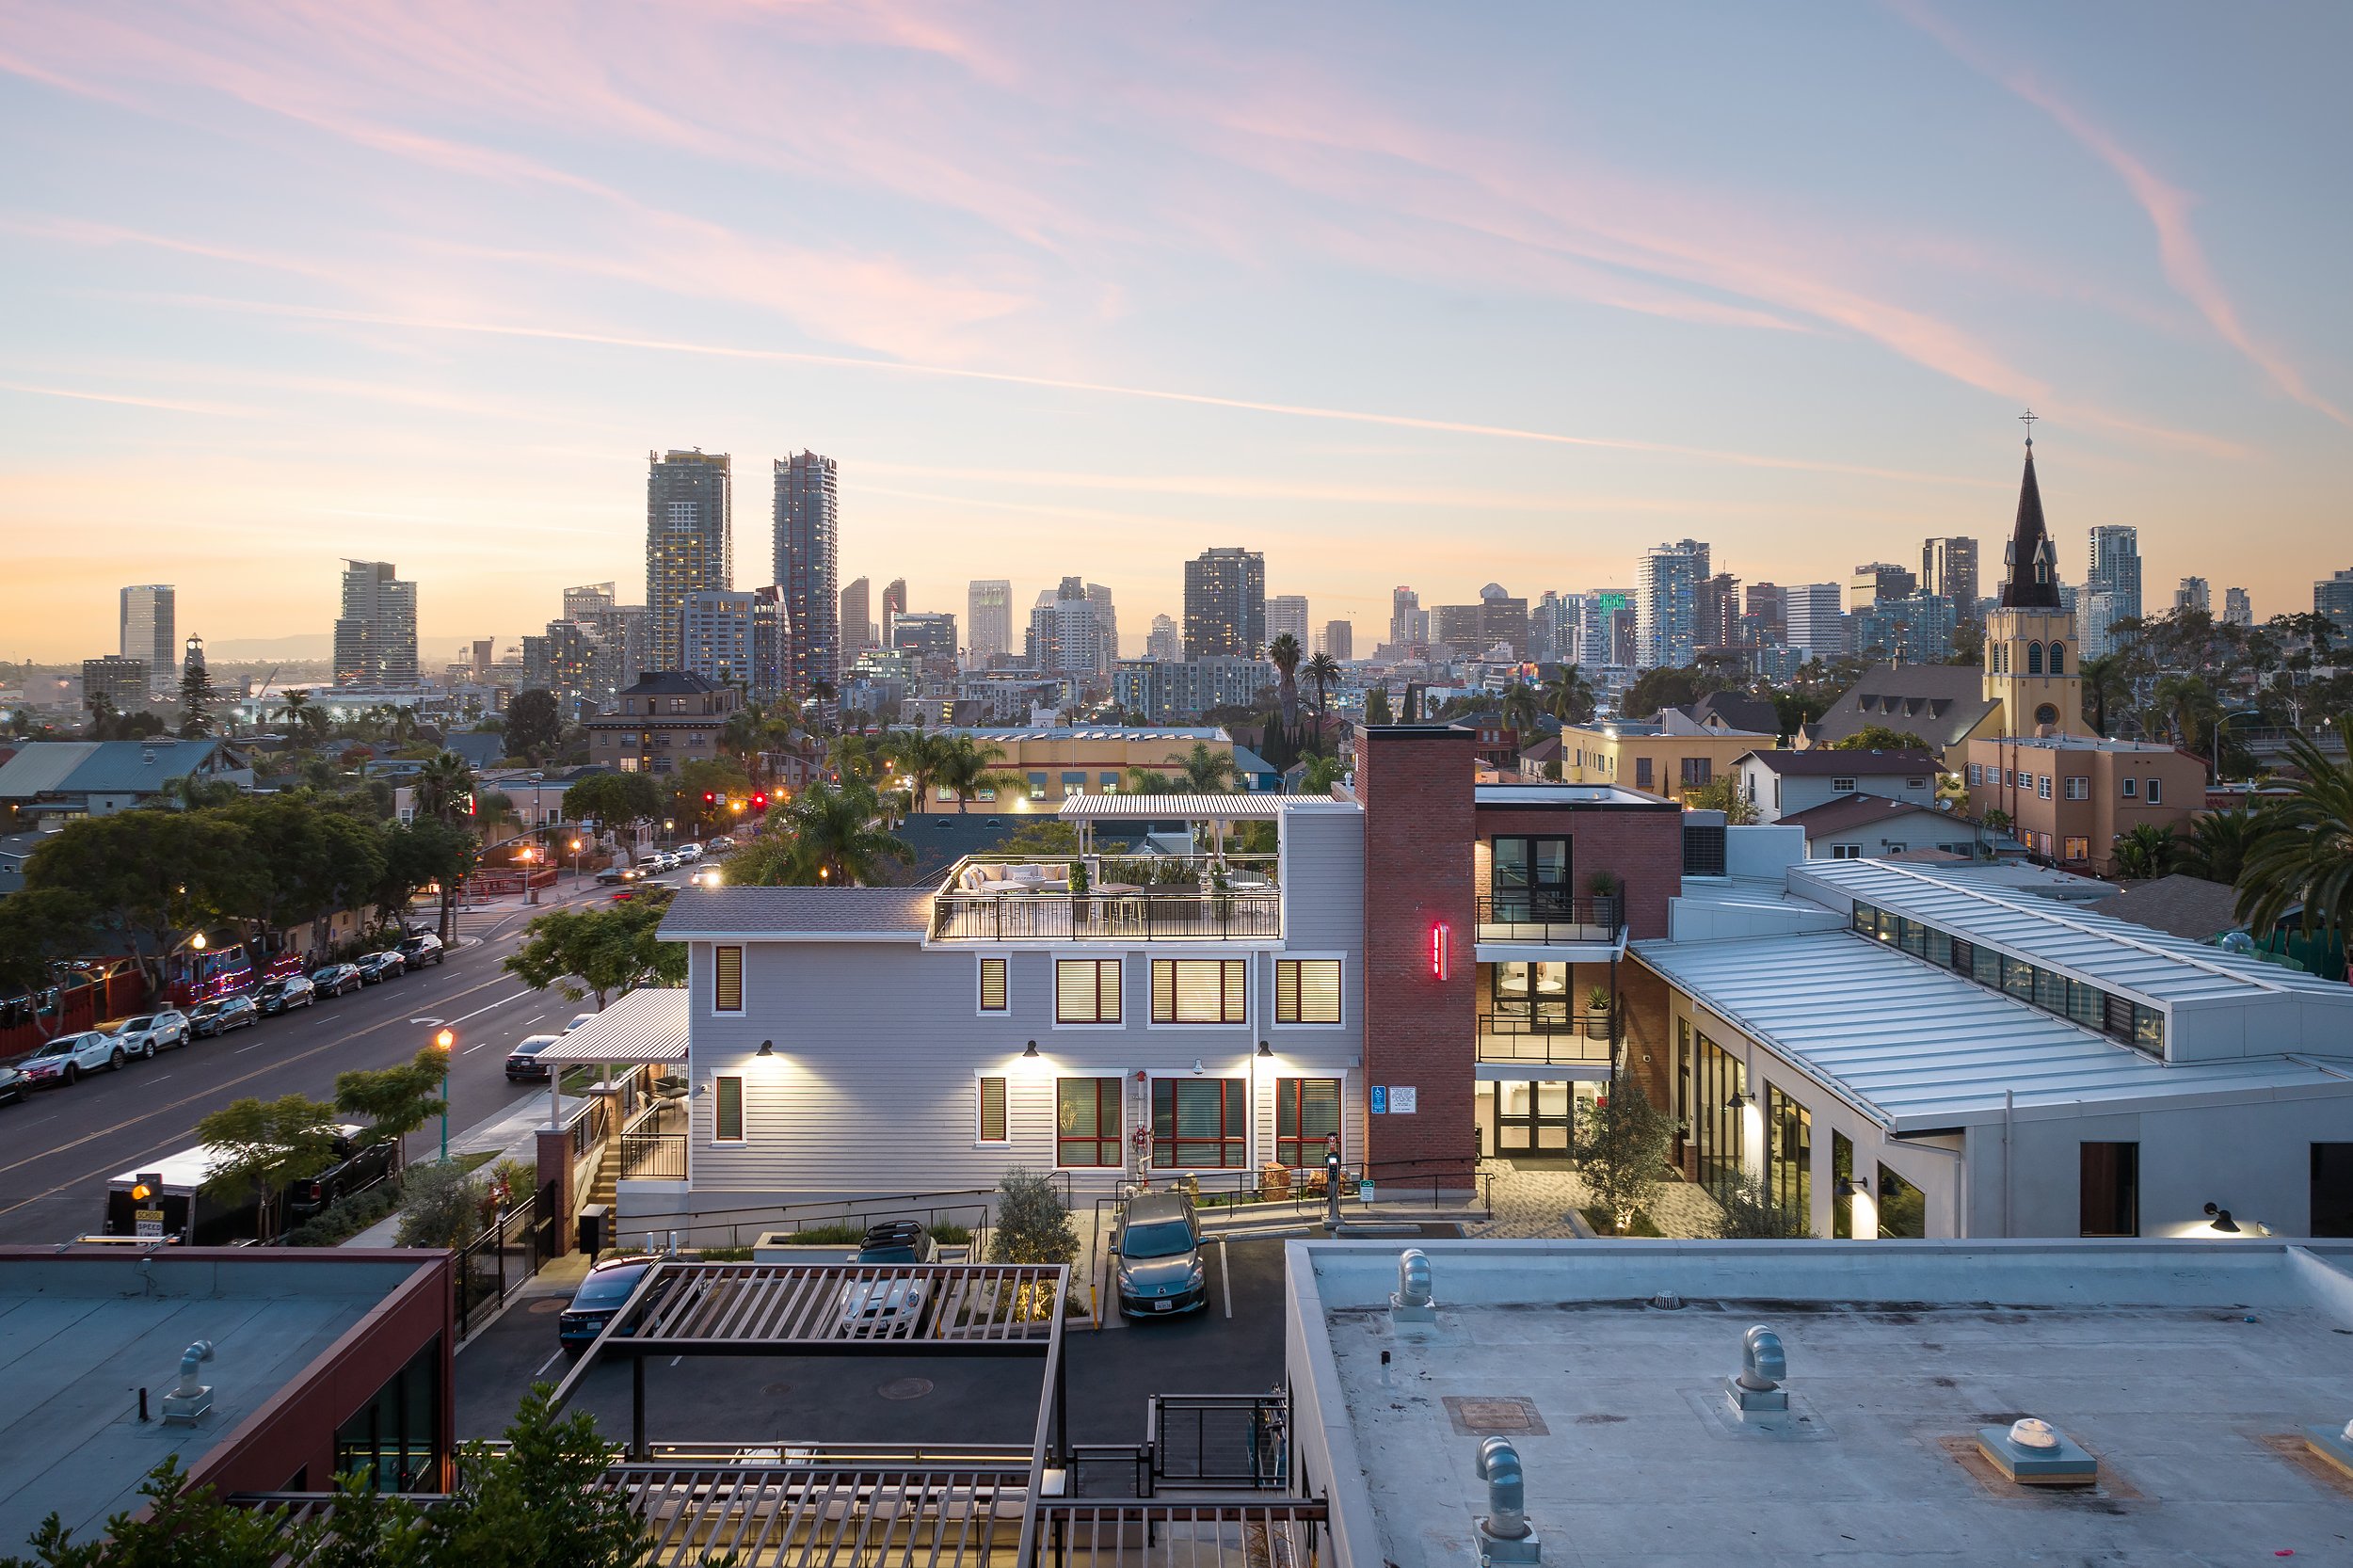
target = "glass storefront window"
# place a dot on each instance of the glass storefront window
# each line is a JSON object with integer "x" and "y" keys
{"x": 1789, "y": 1153}
{"x": 1718, "y": 1127}
{"x": 393, "y": 1442}
{"x": 1903, "y": 1207}
{"x": 1841, "y": 1186}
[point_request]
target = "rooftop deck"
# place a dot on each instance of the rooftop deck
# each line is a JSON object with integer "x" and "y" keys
{"x": 996, "y": 898}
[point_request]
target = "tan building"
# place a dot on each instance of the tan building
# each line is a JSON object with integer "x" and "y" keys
{"x": 666, "y": 720}
{"x": 2069, "y": 797}
{"x": 1668, "y": 756}
{"x": 1053, "y": 764}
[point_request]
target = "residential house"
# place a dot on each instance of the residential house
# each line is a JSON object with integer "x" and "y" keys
{"x": 667, "y": 719}
{"x": 58, "y": 779}
{"x": 2069, "y": 797}
{"x": 1859, "y": 826}
{"x": 1668, "y": 756}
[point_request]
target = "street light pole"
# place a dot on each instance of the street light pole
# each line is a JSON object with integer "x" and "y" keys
{"x": 444, "y": 1042}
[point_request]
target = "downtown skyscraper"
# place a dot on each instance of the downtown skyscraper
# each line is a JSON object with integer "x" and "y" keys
{"x": 808, "y": 547}
{"x": 1225, "y": 604}
{"x": 149, "y": 632}
{"x": 689, "y": 544}
{"x": 1666, "y": 602}
{"x": 375, "y": 636}
{"x": 989, "y": 620}
{"x": 2111, "y": 587}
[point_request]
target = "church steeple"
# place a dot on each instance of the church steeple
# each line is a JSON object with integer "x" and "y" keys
{"x": 2032, "y": 582}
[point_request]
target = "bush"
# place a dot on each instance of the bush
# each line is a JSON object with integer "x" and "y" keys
{"x": 1641, "y": 1224}
{"x": 1749, "y": 1213}
{"x": 827, "y": 1236}
{"x": 1032, "y": 1225}
{"x": 723, "y": 1255}
{"x": 440, "y": 1206}
{"x": 518, "y": 1179}
{"x": 951, "y": 1236}
{"x": 346, "y": 1217}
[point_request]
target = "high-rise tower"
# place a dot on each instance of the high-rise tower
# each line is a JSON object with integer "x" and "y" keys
{"x": 1225, "y": 604}
{"x": 149, "y": 633}
{"x": 807, "y": 529}
{"x": 689, "y": 544}
{"x": 375, "y": 636}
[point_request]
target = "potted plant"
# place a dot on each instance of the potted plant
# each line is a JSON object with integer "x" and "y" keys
{"x": 1080, "y": 884}
{"x": 1597, "y": 1004}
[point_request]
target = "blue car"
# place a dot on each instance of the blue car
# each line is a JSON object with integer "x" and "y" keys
{"x": 604, "y": 1292}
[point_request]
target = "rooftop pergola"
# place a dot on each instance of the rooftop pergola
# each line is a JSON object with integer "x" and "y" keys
{"x": 1215, "y": 811}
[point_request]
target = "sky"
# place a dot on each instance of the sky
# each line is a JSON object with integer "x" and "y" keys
{"x": 1396, "y": 295}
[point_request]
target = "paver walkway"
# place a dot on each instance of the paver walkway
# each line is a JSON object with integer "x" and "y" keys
{"x": 1537, "y": 1204}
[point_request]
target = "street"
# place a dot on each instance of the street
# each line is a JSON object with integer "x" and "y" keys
{"x": 62, "y": 1145}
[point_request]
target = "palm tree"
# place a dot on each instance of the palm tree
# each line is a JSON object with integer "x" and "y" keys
{"x": 965, "y": 766}
{"x": 1320, "y": 774}
{"x": 2220, "y": 841}
{"x": 919, "y": 756}
{"x": 2146, "y": 852}
{"x": 1568, "y": 696}
{"x": 743, "y": 735}
{"x": 2307, "y": 857}
{"x": 1325, "y": 672}
{"x": 2107, "y": 686}
{"x": 1520, "y": 707}
{"x": 1284, "y": 653}
{"x": 444, "y": 788}
{"x": 834, "y": 839}
{"x": 1199, "y": 772}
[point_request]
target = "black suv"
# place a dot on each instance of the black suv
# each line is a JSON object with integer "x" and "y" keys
{"x": 422, "y": 949}
{"x": 357, "y": 1165}
{"x": 377, "y": 968}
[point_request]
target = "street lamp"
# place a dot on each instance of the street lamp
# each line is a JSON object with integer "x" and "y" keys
{"x": 445, "y": 1042}
{"x": 575, "y": 859}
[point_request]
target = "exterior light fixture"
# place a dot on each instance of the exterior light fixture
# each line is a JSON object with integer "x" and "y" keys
{"x": 1198, "y": 1068}
{"x": 1738, "y": 1101}
{"x": 1439, "y": 956}
{"x": 197, "y": 941}
{"x": 2220, "y": 1219}
{"x": 1265, "y": 1049}
{"x": 1029, "y": 1050}
{"x": 767, "y": 1048}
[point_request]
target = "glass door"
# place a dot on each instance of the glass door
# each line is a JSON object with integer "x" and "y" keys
{"x": 1532, "y": 1120}
{"x": 1530, "y": 879}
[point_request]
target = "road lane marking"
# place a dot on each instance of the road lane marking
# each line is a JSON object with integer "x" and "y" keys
{"x": 549, "y": 1362}
{"x": 492, "y": 1008}
{"x": 427, "y": 1022}
{"x": 1225, "y": 1275}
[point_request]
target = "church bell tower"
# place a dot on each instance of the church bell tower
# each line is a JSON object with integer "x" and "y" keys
{"x": 2030, "y": 650}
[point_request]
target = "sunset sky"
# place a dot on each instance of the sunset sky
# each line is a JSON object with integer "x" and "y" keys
{"x": 1434, "y": 295}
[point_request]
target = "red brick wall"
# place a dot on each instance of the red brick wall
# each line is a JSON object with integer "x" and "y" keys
{"x": 1644, "y": 850}
{"x": 1419, "y": 1031}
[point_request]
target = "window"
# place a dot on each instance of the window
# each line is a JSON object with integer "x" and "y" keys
{"x": 727, "y": 980}
{"x": 2132, "y": 789}
{"x": 2078, "y": 848}
{"x": 1200, "y": 990}
{"x": 1087, "y": 1122}
{"x": 1789, "y": 1154}
{"x": 727, "y": 1110}
{"x": 2156, "y": 789}
{"x": 1697, "y": 771}
{"x": 1074, "y": 784}
{"x": 1108, "y": 783}
{"x": 1197, "y": 1123}
{"x": 1306, "y": 990}
{"x": 1306, "y": 1112}
{"x": 2034, "y": 658}
{"x": 2042, "y": 787}
{"x": 2058, "y": 659}
{"x": 1976, "y": 774}
{"x": 1086, "y": 990}
{"x": 1893, "y": 846}
{"x": 2108, "y": 1190}
{"x": 1037, "y": 786}
{"x": 993, "y": 985}
{"x": 1718, "y": 1127}
{"x": 1841, "y": 1186}
{"x": 2078, "y": 788}
{"x": 1903, "y": 1207}
{"x": 1530, "y": 879}
{"x": 1846, "y": 852}
{"x": 1841, "y": 786}
{"x": 991, "y": 1110}
{"x": 1642, "y": 773}
{"x": 2332, "y": 1190}
{"x": 1915, "y": 783}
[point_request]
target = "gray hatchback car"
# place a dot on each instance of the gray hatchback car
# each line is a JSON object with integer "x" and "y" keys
{"x": 1157, "y": 1256}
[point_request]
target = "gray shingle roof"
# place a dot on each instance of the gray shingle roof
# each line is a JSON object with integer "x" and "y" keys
{"x": 1824, "y": 761}
{"x": 1854, "y": 811}
{"x": 2189, "y": 907}
{"x": 782, "y": 914}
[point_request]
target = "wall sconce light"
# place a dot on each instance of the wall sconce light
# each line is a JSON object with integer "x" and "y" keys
{"x": 767, "y": 1048}
{"x": 1029, "y": 1050}
{"x": 1198, "y": 1068}
{"x": 1849, "y": 1186}
{"x": 2222, "y": 1220}
{"x": 1738, "y": 1101}
{"x": 1265, "y": 1049}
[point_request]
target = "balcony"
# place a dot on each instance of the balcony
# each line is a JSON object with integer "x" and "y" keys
{"x": 1543, "y": 918}
{"x": 1127, "y": 899}
{"x": 1542, "y": 1040}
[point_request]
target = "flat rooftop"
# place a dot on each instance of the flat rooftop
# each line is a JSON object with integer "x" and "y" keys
{"x": 80, "y": 1336}
{"x": 2189, "y": 1370}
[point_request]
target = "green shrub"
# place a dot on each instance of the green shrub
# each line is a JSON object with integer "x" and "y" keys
{"x": 827, "y": 1236}
{"x": 346, "y": 1217}
{"x": 951, "y": 1236}
{"x": 723, "y": 1255}
{"x": 440, "y": 1206}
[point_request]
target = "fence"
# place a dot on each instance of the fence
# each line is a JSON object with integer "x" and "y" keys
{"x": 741, "y": 1227}
{"x": 1537, "y": 916}
{"x": 495, "y": 1264}
{"x": 1114, "y": 917}
{"x": 648, "y": 1152}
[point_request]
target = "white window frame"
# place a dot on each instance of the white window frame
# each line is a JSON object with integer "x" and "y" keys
{"x": 2043, "y": 786}
{"x": 742, "y": 1110}
{"x": 1841, "y": 786}
{"x": 980, "y": 970}
{"x": 1272, "y": 1013}
{"x": 1846, "y": 852}
{"x": 2079, "y": 787}
{"x": 2154, "y": 794}
{"x": 980, "y": 1075}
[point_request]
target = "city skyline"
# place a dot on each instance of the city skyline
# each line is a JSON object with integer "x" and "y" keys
{"x": 294, "y": 295}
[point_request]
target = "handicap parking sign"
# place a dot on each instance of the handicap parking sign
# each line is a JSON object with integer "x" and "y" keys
{"x": 1380, "y": 1100}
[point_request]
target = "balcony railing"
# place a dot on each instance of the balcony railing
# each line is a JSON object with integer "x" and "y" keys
{"x": 1536, "y": 915}
{"x": 1146, "y": 917}
{"x": 1543, "y": 1042}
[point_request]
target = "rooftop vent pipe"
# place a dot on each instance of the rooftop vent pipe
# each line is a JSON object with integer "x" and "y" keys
{"x": 1763, "y": 1364}
{"x": 191, "y": 1400}
{"x": 1413, "y": 1302}
{"x": 1505, "y": 1534}
{"x": 2031, "y": 1451}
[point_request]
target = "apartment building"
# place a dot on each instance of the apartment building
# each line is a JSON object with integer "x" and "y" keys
{"x": 667, "y": 719}
{"x": 1782, "y": 783}
{"x": 2069, "y": 797}
{"x": 1051, "y": 763}
{"x": 1667, "y": 756}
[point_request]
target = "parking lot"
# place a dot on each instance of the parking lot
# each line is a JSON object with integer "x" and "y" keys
{"x": 877, "y": 1399}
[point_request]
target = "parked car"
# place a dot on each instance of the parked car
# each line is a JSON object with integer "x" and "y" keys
{"x": 357, "y": 1165}
{"x": 524, "y": 1064}
{"x": 238, "y": 1010}
{"x": 604, "y": 1293}
{"x": 687, "y": 853}
{"x": 13, "y": 1084}
{"x": 377, "y": 968}
{"x": 145, "y": 1033}
{"x": 719, "y": 845}
{"x": 1158, "y": 1254}
{"x": 285, "y": 993}
{"x": 422, "y": 947}
{"x": 333, "y": 980}
{"x": 891, "y": 1309}
{"x": 578, "y": 1018}
{"x": 69, "y": 1056}
{"x": 614, "y": 875}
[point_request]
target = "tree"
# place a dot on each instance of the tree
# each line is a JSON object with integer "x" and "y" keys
{"x": 967, "y": 766}
{"x": 1746, "y": 1211}
{"x": 2219, "y": 842}
{"x": 304, "y": 861}
{"x": 1664, "y": 687}
{"x": 1285, "y": 653}
{"x": 197, "y": 696}
{"x": 1199, "y": 772}
{"x": 265, "y": 1146}
{"x": 2107, "y": 687}
{"x": 1968, "y": 644}
{"x": 717, "y": 776}
{"x": 1325, "y": 672}
{"x": 599, "y": 952}
{"x": 2146, "y": 852}
{"x": 445, "y": 789}
{"x": 614, "y": 799}
{"x": 148, "y": 874}
{"x": 1568, "y": 696}
{"x": 1722, "y": 793}
{"x": 422, "y": 853}
{"x": 38, "y": 926}
{"x": 827, "y": 835}
{"x": 534, "y": 727}
{"x": 1879, "y": 736}
{"x": 2307, "y": 856}
{"x": 1033, "y": 1226}
{"x": 1321, "y": 774}
{"x": 440, "y": 1206}
{"x": 1624, "y": 1139}
{"x": 1520, "y": 707}
{"x": 1377, "y": 705}
{"x": 1794, "y": 709}
{"x": 394, "y": 1100}
{"x": 918, "y": 758}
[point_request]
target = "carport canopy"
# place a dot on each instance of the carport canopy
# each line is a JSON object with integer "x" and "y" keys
{"x": 641, "y": 1026}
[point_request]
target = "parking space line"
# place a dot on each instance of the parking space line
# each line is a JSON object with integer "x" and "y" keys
{"x": 549, "y": 1362}
{"x": 1225, "y": 1275}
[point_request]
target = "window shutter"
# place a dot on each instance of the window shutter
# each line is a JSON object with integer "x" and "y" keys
{"x": 1236, "y": 990}
{"x": 1074, "y": 991}
{"x": 727, "y": 1110}
{"x": 992, "y": 985}
{"x": 727, "y": 985}
{"x": 1287, "y": 991}
{"x": 992, "y": 1111}
{"x": 1107, "y": 991}
{"x": 1164, "y": 990}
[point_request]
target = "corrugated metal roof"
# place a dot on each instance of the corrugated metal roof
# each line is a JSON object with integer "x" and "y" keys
{"x": 2068, "y": 939}
{"x": 642, "y": 1026}
{"x": 1253, "y": 807}
{"x": 781, "y": 912}
{"x": 101, "y": 767}
{"x": 39, "y": 766}
{"x": 1917, "y": 1048}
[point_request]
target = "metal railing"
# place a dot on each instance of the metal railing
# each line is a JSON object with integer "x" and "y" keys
{"x": 739, "y": 1227}
{"x": 1220, "y": 1441}
{"x": 495, "y": 1264}
{"x": 1137, "y": 917}
{"x": 1542, "y": 1041}
{"x": 1537, "y": 916}
{"x": 653, "y": 1156}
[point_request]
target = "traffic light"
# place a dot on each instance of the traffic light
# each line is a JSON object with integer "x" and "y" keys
{"x": 710, "y": 799}
{"x": 759, "y": 800}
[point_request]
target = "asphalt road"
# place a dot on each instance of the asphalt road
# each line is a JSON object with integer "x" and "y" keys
{"x": 59, "y": 1147}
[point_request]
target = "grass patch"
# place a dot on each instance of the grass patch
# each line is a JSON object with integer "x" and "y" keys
{"x": 473, "y": 1163}
{"x": 952, "y": 1235}
{"x": 1603, "y": 1223}
{"x": 724, "y": 1255}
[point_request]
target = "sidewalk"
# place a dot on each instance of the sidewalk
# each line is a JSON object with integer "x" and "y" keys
{"x": 513, "y": 1134}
